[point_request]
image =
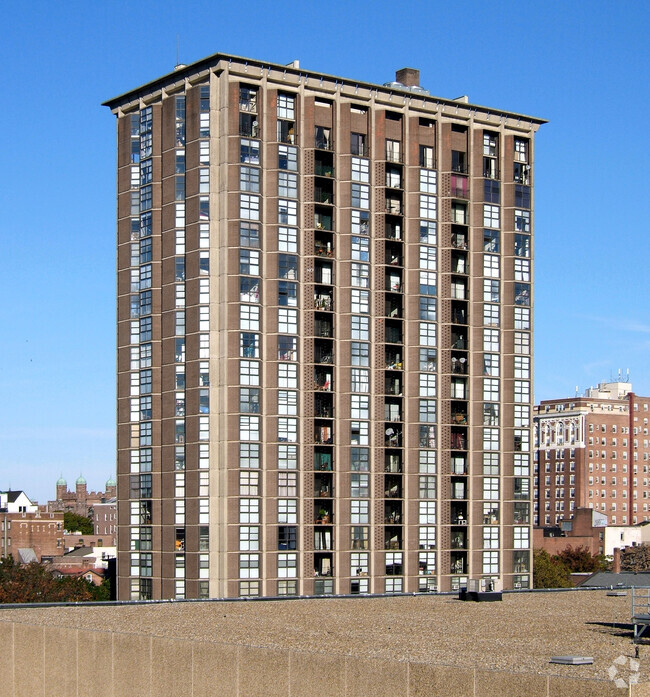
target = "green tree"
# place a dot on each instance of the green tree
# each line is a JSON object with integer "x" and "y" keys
{"x": 581, "y": 560}
{"x": 35, "y": 583}
{"x": 73, "y": 522}
{"x": 550, "y": 571}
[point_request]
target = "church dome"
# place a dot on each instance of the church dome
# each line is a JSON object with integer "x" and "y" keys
{"x": 81, "y": 480}
{"x": 61, "y": 481}
{"x": 110, "y": 482}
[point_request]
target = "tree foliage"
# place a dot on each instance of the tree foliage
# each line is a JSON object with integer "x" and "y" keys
{"x": 635, "y": 558}
{"x": 73, "y": 522}
{"x": 581, "y": 560}
{"x": 35, "y": 583}
{"x": 550, "y": 571}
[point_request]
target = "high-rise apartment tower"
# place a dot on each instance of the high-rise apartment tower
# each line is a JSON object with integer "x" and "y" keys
{"x": 324, "y": 335}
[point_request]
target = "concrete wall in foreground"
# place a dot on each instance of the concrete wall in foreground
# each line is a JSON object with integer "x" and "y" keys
{"x": 38, "y": 661}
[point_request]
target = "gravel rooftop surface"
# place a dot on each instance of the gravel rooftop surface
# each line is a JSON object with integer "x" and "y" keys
{"x": 519, "y": 634}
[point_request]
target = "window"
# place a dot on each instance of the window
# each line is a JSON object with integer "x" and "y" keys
{"x": 287, "y": 157}
{"x": 360, "y": 248}
{"x": 360, "y": 196}
{"x": 426, "y": 156}
{"x": 249, "y": 235}
{"x": 249, "y": 538}
{"x": 491, "y": 265}
{"x": 287, "y": 348}
{"x": 287, "y": 239}
{"x": 427, "y": 334}
{"x": 249, "y": 345}
{"x": 359, "y": 459}
{"x": 522, "y": 318}
{"x": 249, "y": 317}
{"x": 491, "y": 315}
{"x": 249, "y": 510}
{"x": 287, "y": 185}
{"x": 428, "y": 206}
{"x": 360, "y": 327}
{"x": 287, "y": 293}
{"x": 249, "y": 400}
{"x": 490, "y": 488}
{"x": 287, "y": 321}
{"x": 428, "y": 308}
{"x": 490, "y": 562}
{"x": 360, "y": 222}
{"x": 286, "y": 106}
{"x": 287, "y": 536}
{"x": 287, "y": 511}
{"x": 428, "y": 257}
{"x": 360, "y": 275}
{"x": 427, "y": 537}
{"x": 522, "y": 220}
{"x": 287, "y": 212}
{"x": 360, "y": 170}
{"x": 491, "y": 290}
{"x": 359, "y": 431}
{"x": 522, "y": 195}
{"x": 521, "y": 537}
{"x": 360, "y": 301}
{"x": 491, "y": 190}
{"x": 249, "y": 455}
{"x": 428, "y": 182}
{"x": 287, "y": 565}
{"x": 359, "y": 511}
{"x": 427, "y": 487}
{"x": 428, "y": 230}
{"x": 360, "y": 380}
{"x": 359, "y": 407}
{"x": 522, "y": 342}
{"x": 358, "y": 144}
{"x": 427, "y": 410}
{"x": 359, "y": 485}
{"x": 491, "y": 339}
{"x": 249, "y": 207}
{"x": 359, "y": 353}
{"x": 491, "y": 216}
{"x": 521, "y": 150}
{"x": 287, "y": 483}
{"x": 287, "y": 430}
{"x": 428, "y": 280}
{"x": 249, "y": 262}
{"x": 287, "y": 457}
{"x": 249, "y": 427}
{"x": 522, "y": 367}
{"x": 249, "y": 178}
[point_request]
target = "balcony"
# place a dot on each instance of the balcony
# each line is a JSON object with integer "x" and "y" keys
{"x": 393, "y": 462}
{"x": 323, "y": 459}
{"x": 323, "y": 301}
{"x": 323, "y": 169}
{"x": 393, "y": 384}
{"x": 393, "y": 329}
{"x": 393, "y": 513}
{"x": 459, "y": 161}
{"x": 248, "y": 126}
{"x": 393, "y": 229}
{"x": 392, "y": 486}
{"x": 323, "y": 326}
{"x": 286, "y": 131}
{"x": 459, "y": 312}
{"x": 458, "y": 465}
{"x": 458, "y": 563}
{"x": 459, "y": 263}
{"x": 323, "y": 195}
{"x": 393, "y": 359}
{"x": 323, "y": 248}
{"x": 459, "y": 340}
{"x": 323, "y": 485}
{"x": 323, "y": 351}
{"x": 490, "y": 168}
{"x": 458, "y": 489}
{"x": 323, "y": 407}
{"x": 458, "y": 438}
{"x": 459, "y": 514}
{"x": 393, "y": 305}
{"x": 393, "y": 437}
{"x": 323, "y": 566}
{"x": 459, "y": 364}
{"x": 458, "y": 539}
{"x": 323, "y": 221}
{"x": 323, "y": 434}
{"x": 392, "y": 537}
{"x": 394, "y": 206}
{"x": 323, "y": 380}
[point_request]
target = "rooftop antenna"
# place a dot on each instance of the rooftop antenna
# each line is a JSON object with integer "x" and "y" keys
{"x": 576, "y": 390}
{"x": 178, "y": 63}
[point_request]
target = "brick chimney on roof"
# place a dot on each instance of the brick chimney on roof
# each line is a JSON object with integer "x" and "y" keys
{"x": 616, "y": 563}
{"x": 408, "y": 76}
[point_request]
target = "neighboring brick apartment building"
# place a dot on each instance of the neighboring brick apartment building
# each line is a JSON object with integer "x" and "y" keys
{"x": 324, "y": 335}
{"x": 593, "y": 452}
{"x": 26, "y": 533}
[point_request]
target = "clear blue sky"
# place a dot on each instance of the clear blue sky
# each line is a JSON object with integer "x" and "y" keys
{"x": 584, "y": 66}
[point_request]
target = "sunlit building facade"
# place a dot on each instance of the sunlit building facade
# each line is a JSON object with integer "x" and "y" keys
{"x": 324, "y": 335}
